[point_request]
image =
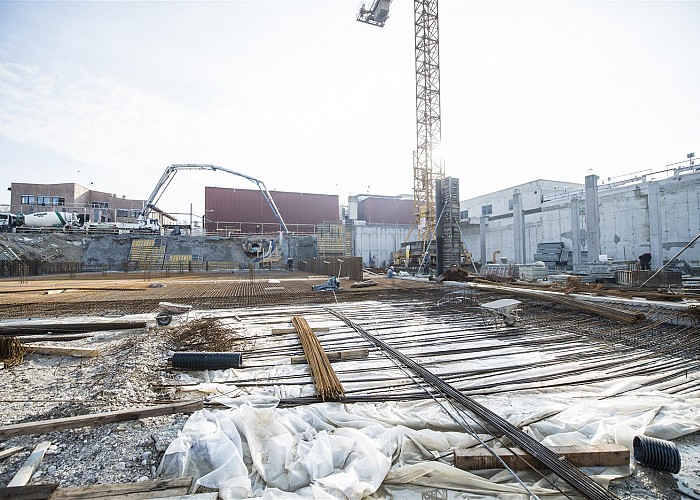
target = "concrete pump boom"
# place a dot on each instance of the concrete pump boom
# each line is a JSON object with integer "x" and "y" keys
{"x": 170, "y": 172}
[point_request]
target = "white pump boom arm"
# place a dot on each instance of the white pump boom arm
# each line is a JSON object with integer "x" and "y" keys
{"x": 172, "y": 170}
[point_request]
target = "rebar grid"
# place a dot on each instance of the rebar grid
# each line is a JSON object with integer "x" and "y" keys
{"x": 574, "y": 477}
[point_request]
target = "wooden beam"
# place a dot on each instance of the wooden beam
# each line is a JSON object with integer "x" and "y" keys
{"x": 159, "y": 488}
{"x": 29, "y": 492}
{"x": 37, "y": 327}
{"x": 52, "y": 338}
{"x": 195, "y": 496}
{"x": 335, "y": 356}
{"x": 10, "y": 451}
{"x": 291, "y": 329}
{"x": 51, "y": 350}
{"x": 579, "y": 456}
{"x": 60, "y": 424}
{"x": 24, "y": 474}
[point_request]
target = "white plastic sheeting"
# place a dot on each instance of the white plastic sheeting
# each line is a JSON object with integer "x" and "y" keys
{"x": 332, "y": 450}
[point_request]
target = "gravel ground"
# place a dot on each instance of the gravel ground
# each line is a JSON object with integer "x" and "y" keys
{"x": 44, "y": 387}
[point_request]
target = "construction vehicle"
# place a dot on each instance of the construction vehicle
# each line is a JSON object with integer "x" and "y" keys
{"x": 8, "y": 222}
{"x": 170, "y": 172}
{"x": 146, "y": 226}
{"x": 74, "y": 222}
{"x": 411, "y": 256}
{"x": 48, "y": 220}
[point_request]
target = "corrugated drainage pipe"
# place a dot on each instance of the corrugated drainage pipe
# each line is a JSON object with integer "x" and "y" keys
{"x": 657, "y": 454}
{"x": 207, "y": 360}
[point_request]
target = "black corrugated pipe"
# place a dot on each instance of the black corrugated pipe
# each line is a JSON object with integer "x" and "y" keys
{"x": 657, "y": 454}
{"x": 207, "y": 360}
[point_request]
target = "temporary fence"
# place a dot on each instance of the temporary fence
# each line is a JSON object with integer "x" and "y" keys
{"x": 346, "y": 267}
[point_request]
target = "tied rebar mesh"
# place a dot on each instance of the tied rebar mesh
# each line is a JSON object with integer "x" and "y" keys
{"x": 570, "y": 474}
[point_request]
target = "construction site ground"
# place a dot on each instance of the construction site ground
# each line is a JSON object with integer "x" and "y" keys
{"x": 236, "y": 311}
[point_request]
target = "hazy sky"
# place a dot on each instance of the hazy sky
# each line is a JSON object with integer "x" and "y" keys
{"x": 305, "y": 98}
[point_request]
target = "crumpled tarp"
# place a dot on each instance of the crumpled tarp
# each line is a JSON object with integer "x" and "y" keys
{"x": 333, "y": 450}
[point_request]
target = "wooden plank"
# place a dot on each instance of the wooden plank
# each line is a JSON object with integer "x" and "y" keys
{"x": 148, "y": 489}
{"x": 24, "y": 474}
{"x": 291, "y": 329}
{"x": 29, "y": 492}
{"x": 60, "y": 424}
{"x": 37, "y": 327}
{"x": 52, "y": 338}
{"x": 50, "y": 350}
{"x": 578, "y": 456}
{"x": 335, "y": 356}
{"x": 10, "y": 451}
{"x": 195, "y": 496}
{"x": 147, "y": 495}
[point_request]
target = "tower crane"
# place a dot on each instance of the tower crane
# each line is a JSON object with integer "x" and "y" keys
{"x": 426, "y": 168}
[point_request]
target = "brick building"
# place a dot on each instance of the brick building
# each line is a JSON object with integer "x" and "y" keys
{"x": 97, "y": 206}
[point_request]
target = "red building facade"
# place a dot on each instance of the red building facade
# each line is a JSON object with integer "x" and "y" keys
{"x": 230, "y": 210}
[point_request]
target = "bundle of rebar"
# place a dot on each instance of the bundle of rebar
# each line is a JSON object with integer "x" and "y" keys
{"x": 324, "y": 377}
{"x": 11, "y": 351}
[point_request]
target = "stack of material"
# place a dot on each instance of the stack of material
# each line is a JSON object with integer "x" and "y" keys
{"x": 322, "y": 373}
{"x": 565, "y": 278}
{"x": 496, "y": 270}
{"x": 552, "y": 254}
{"x": 532, "y": 272}
{"x": 601, "y": 270}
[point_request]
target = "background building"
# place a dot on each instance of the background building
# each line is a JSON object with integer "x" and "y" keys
{"x": 97, "y": 206}
{"x": 379, "y": 225}
{"x": 244, "y": 211}
{"x": 657, "y": 213}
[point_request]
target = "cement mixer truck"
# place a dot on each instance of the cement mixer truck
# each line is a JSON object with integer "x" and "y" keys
{"x": 46, "y": 220}
{"x": 8, "y": 222}
{"x": 68, "y": 221}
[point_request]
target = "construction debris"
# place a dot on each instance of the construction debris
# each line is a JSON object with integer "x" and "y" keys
{"x": 10, "y": 451}
{"x": 11, "y": 351}
{"x": 204, "y": 334}
{"x": 364, "y": 284}
{"x": 25, "y": 473}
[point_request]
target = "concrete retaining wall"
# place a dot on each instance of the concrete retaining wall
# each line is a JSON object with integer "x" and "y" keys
{"x": 625, "y": 216}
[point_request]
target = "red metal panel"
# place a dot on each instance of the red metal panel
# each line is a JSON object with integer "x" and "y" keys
{"x": 386, "y": 211}
{"x": 249, "y": 206}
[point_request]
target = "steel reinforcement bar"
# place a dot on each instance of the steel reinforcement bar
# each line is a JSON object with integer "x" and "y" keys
{"x": 570, "y": 474}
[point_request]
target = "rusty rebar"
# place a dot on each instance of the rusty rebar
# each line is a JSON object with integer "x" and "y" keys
{"x": 324, "y": 377}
